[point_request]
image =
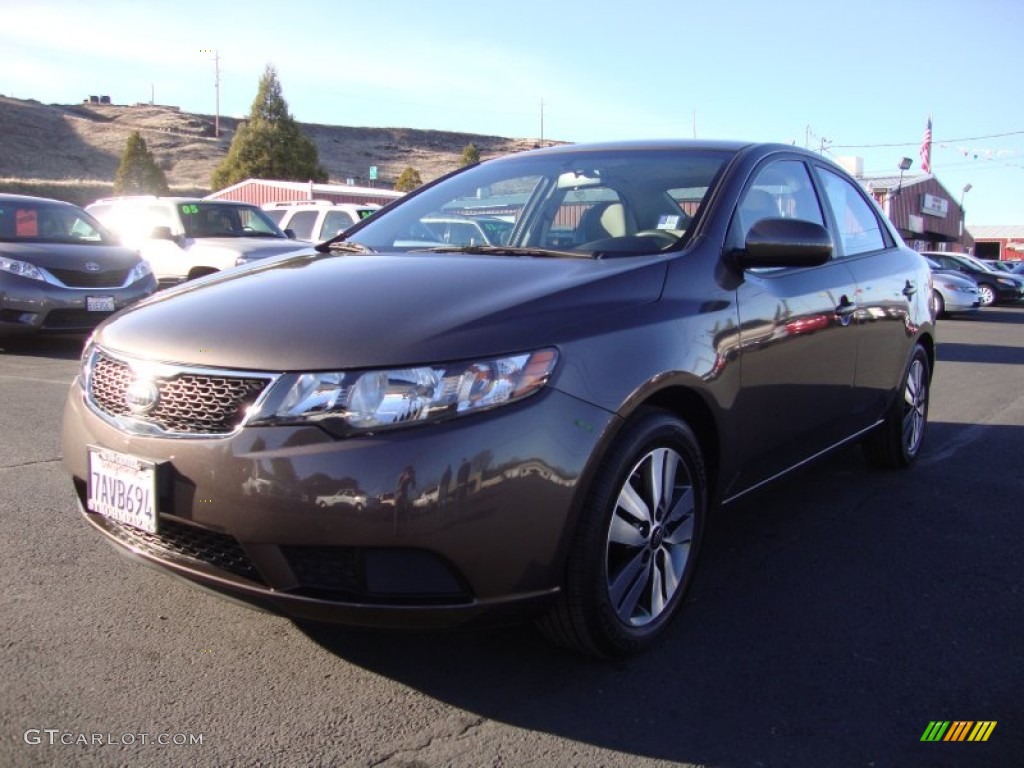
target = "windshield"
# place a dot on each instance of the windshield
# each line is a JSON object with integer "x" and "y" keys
{"x": 46, "y": 222}
{"x": 224, "y": 220}
{"x": 611, "y": 202}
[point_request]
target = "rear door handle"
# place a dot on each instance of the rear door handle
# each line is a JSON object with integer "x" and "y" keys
{"x": 909, "y": 289}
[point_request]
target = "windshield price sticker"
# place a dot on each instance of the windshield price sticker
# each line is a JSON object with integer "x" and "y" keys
{"x": 122, "y": 488}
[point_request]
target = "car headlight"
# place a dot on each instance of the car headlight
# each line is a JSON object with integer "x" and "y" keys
{"x": 139, "y": 271}
{"x": 20, "y": 268}
{"x": 351, "y": 402}
{"x": 956, "y": 287}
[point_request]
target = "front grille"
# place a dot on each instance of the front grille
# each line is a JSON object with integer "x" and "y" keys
{"x": 73, "y": 319}
{"x": 73, "y": 278}
{"x": 190, "y": 401}
{"x": 186, "y": 541}
{"x": 374, "y": 575}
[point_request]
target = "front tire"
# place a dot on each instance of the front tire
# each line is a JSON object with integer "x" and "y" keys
{"x": 986, "y": 294}
{"x": 637, "y": 541}
{"x": 897, "y": 441}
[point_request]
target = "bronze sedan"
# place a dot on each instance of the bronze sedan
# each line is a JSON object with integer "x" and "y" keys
{"x": 395, "y": 431}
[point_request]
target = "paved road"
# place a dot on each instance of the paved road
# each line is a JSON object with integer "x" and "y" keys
{"x": 832, "y": 619}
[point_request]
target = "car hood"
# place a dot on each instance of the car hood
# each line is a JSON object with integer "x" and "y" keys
{"x": 957, "y": 277}
{"x": 360, "y": 311}
{"x": 71, "y": 255}
{"x": 253, "y": 247}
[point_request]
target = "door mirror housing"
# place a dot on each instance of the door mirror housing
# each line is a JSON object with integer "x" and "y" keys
{"x": 785, "y": 243}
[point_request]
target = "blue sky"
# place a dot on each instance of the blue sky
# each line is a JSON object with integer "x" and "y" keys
{"x": 861, "y": 77}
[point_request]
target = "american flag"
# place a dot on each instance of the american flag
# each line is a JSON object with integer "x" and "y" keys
{"x": 926, "y": 148}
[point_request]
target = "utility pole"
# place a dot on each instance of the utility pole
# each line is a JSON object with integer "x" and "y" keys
{"x": 216, "y": 88}
{"x": 542, "y": 122}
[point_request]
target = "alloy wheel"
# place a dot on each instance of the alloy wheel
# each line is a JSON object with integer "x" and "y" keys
{"x": 915, "y": 406}
{"x": 649, "y": 537}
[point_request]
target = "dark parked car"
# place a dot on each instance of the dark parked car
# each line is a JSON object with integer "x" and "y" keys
{"x": 60, "y": 270}
{"x": 993, "y": 286}
{"x": 537, "y": 428}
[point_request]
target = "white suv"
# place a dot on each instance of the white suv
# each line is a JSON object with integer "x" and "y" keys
{"x": 318, "y": 220}
{"x": 187, "y": 237}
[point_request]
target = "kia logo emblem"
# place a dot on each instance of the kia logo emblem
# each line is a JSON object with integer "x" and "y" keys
{"x": 92, "y": 266}
{"x": 141, "y": 396}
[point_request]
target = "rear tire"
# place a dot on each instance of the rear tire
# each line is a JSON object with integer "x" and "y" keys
{"x": 897, "y": 440}
{"x": 636, "y": 543}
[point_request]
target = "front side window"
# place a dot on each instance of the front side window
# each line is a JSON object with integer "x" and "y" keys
{"x": 780, "y": 190}
{"x": 859, "y": 228}
{"x": 203, "y": 219}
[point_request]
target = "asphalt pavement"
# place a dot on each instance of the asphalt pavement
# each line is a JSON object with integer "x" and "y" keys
{"x": 835, "y": 617}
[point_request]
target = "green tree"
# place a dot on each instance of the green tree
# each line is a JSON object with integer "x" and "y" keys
{"x": 408, "y": 181}
{"x": 270, "y": 144}
{"x": 470, "y": 156}
{"x": 138, "y": 173}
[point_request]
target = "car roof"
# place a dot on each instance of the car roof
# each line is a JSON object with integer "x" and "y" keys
{"x": 161, "y": 198}
{"x": 13, "y": 198}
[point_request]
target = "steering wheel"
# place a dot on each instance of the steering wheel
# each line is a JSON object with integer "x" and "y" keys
{"x": 666, "y": 236}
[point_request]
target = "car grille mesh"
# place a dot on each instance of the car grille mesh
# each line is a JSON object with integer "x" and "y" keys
{"x": 73, "y": 278}
{"x": 190, "y": 402}
{"x": 209, "y": 547}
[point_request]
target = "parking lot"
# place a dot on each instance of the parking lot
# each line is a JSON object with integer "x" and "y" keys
{"x": 833, "y": 618}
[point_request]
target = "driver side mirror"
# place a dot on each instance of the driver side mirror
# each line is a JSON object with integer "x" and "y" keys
{"x": 164, "y": 233}
{"x": 785, "y": 243}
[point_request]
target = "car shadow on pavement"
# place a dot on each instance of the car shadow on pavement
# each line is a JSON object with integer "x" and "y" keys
{"x": 980, "y": 353}
{"x": 64, "y": 347}
{"x": 832, "y": 617}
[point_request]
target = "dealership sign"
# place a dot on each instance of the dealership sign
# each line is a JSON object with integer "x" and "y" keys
{"x": 934, "y": 206}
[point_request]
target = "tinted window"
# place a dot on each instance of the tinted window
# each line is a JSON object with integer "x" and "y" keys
{"x": 52, "y": 223}
{"x": 859, "y": 228}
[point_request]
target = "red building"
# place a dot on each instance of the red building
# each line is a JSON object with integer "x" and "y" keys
{"x": 260, "y": 191}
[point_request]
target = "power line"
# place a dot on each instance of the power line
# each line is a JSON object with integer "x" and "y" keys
{"x": 934, "y": 141}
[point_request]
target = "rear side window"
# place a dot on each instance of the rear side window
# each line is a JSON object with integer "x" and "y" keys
{"x": 859, "y": 228}
{"x": 301, "y": 223}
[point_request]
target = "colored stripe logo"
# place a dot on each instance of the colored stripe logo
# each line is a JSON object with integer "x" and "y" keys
{"x": 958, "y": 730}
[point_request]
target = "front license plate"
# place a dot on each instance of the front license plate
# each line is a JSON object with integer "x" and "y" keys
{"x": 99, "y": 303}
{"x": 122, "y": 488}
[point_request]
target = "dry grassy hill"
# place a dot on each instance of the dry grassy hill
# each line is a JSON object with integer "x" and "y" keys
{"x": 71, "y": 151}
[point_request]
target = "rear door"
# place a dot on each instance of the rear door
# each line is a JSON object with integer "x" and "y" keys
{"x": 892, "y": 290}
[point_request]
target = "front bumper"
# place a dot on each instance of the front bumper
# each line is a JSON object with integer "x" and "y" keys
{"x": 462, "y": 521}
{"x": 31, "y": 306}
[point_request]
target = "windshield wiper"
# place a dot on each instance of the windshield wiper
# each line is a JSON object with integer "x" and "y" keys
{"x": 507, "y": 250}
{"x": 348, "y": 246}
